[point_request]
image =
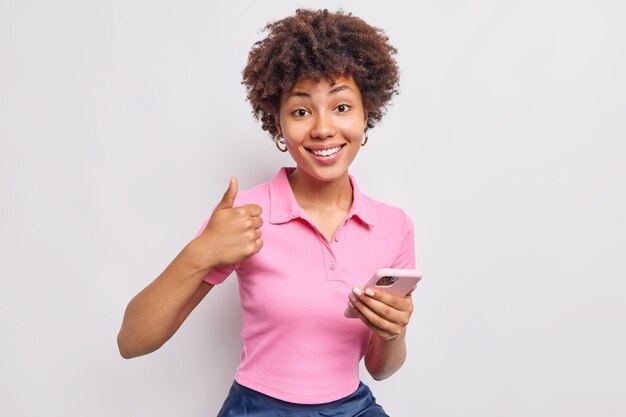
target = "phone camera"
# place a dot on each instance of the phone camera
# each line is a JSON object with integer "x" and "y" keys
{"x": 386, "y": 281}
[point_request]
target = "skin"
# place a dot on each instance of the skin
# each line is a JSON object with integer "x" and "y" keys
{"x": 318, "y": 114}
{"x": 156, "y": 313}
{"x": 313, "y": 114}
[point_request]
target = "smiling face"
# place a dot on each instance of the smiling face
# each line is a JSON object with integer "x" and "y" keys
{"x": 323, "y": 125}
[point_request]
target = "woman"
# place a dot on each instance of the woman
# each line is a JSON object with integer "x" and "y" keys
{"x": 300, "y": 242}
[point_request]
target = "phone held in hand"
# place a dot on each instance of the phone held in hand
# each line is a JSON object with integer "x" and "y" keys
{"x": 395, "y": 281}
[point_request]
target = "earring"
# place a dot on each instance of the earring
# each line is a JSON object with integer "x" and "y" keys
{"x": 281, "y": 143}
{"x": 365, "y": 141}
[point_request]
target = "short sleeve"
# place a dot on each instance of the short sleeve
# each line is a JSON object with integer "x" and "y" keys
{"x": 406, "y": 253}
{"x": 219, "y": 274}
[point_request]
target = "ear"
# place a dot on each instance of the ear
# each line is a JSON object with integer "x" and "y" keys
{"x": 277, "y": 124}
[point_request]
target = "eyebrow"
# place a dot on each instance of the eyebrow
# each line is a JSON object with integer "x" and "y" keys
{"x": 333, "y": 91}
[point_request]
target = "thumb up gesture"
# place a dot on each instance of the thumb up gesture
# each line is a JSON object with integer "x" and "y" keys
{"x": 232, "y": 233}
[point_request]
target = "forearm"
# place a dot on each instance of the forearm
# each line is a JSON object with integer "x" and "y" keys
{"x": 151, "y": 317}
{"x": 385, "y": 357}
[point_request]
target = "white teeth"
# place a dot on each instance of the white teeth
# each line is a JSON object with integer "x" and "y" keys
{"x": 326, "y": 152}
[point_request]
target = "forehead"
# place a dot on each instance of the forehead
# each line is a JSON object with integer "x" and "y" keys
{"x": 323, "y": 86}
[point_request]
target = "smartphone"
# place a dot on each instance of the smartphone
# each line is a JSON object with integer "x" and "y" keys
{"x": 395, "y": 281}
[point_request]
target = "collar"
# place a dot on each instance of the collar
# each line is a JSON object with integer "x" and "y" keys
{"x": 284, "y": 207}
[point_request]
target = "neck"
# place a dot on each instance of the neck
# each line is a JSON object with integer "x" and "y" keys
{"x": 311, "y": 192}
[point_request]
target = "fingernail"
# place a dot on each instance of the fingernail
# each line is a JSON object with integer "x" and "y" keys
{"x": 350, "y": 304}
{"x": 356, "y": 291}
{"x": 369, "y": 292}
{"x": 352, "y": 297}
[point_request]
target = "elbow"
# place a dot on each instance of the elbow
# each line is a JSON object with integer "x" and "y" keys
{"x": 377, "y": 375}
{"x": 380, "y": 370}
{"x": 128, "y": 350}
{"x": 125, "y": 354}
{"x": 121, "y": 346}
{"x": 125, "y": 351}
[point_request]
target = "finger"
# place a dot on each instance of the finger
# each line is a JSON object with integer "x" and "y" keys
{"x": 350, "y": 311}
{"x": 394, "y": 301}
{"x": 257, "y": 222}
{"x": 379, "y": 331}
{"x": 251, "y": 209}
{"x": 229, "y": 196}
{"x": 374, "y": 319}
{"x": 383, "y": 310}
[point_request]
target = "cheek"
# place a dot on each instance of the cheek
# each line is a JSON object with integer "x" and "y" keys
{"x": 294, "y": 134}
{"x": 298, "y": 132}
{"x": 356, "y": 120}
{"x": 353, "y": 128}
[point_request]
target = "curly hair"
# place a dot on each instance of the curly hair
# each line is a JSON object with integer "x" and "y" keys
{"x": 320, "y": 44}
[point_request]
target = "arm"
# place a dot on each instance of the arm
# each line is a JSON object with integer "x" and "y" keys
{"x": 387, "y": 315}
{"x": 385, "y": 356}
{"x": 155, "y": 314}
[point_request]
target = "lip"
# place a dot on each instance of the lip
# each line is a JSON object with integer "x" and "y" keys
{"x": 326, "y": 160}
{"x": 323, "y": 147}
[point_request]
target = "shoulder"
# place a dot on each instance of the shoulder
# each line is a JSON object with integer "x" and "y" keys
{"x": 382, "y": 207}
{"x": 386, "y": 213}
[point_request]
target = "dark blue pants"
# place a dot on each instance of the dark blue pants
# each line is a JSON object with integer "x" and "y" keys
{"x": 243, "y": 401}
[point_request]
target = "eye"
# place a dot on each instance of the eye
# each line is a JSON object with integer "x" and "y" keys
{"x": 299, "y": 112}
{"x": 342, "y": 108}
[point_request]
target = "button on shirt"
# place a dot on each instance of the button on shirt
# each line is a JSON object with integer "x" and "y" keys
{"x": 297, "y": 344}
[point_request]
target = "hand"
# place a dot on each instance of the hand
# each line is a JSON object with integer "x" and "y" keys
{"x": 232, "y": 233}
{"x": 387, "y": 315}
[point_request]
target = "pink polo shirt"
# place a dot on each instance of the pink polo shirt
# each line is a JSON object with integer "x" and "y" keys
{"x": 297, "y": 344}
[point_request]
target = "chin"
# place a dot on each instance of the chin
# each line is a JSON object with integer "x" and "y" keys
{"x": 325, "y": 174}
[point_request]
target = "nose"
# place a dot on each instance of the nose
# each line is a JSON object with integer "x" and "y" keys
{"x": 323, "y": 127}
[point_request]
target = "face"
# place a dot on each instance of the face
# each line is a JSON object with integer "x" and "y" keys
{"x": 323, "y": 126}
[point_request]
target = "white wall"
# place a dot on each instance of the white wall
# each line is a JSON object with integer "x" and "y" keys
{"x": 121, "y": 121}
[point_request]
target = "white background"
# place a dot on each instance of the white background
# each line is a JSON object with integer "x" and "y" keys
{"x": 121, "y": 122}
